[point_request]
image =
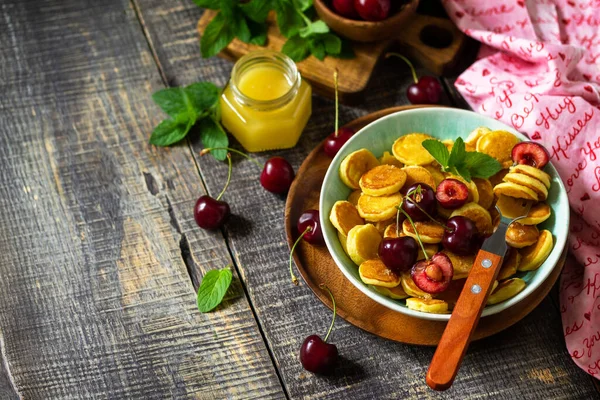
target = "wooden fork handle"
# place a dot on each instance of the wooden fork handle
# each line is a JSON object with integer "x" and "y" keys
{"x": 464, "y": 319}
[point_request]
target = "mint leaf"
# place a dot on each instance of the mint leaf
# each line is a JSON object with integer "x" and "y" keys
{"x": 457, "y": 155}
{"x": 242, "y": 31}
{"x": 481, "y": 165}
{"x": 213, "y": 135}
{"x": 296, "y": 48}
{"x": 213, "y": 288}
{"x": 202, "y": 96}
{"x": 303, "y": 5}
{"x": 346, "y": 52}
{"x": 313, "y": 28}
{"x": 171, "y": 131}
{"x": 333, "y": 44}
{"x": 289, "y": 19}
{"x": 211, "y": 4}
{"x": 171, "y": 101}
{"x": 257, "y": 10}
{"x": 258, "y": 32}
{"x": 438, "y": 151}
{"x": 317, "y": 48}
{"x": 217, "y": 35}
{"x": 463, "y": 171}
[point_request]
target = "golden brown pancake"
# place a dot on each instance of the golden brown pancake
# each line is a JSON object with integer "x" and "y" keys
{"x": 519, "y": 236}
{"x": 374, "y": 272}
{"x": 382, "y": 180}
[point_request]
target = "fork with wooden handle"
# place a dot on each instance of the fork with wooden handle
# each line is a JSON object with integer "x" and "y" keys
{"x": 472, "y": 300}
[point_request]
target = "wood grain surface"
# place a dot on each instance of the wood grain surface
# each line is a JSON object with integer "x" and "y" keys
{"x": 526, "y": 361}
{"x": 96, "y": 231}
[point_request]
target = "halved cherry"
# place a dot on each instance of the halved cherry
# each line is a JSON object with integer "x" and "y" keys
{"x": 451, "y": 193}
{"x": 434, "y": 275}
{"x": 530, "y": 153}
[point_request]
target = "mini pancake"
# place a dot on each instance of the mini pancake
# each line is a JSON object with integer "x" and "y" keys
{"x": 390, "y": 231}
{"x": 382, "y": 225}
{"x": 462, "y": 264}
{"x": 396, "y": 293}
{"x": 450, "y": 143}
{"x": 534, "y": 256}
{"x": 389, "y": 159}
{"x": 432, "y": 306}
{"x": 382, "y": 180}
{"x": 527, "y": 181}
{"x": 409, "y": 151}
{"x": 506, "y": 290}
{"x": 344, "y": 216}
{"x": 443, "y": 212}
{"x": 429, "y": 231}
{"x": 509, "y": 265}
{"x": 473, "y": 191}
{"x": 353, "y": 197}
{"x": 416, "y": 174}
{"x": 343, "y": 239}
{"x": 485, "y": 191}
{"x": 519, "y": 236}
{"x": 532, "y": 172}
{"x": 436, "y": 174}
{"x": 511, "y": 189}
{"x": 378, "y": 208}
{"x": 498, "y": 144}
{"x": 411, "y": 289}
{"x": 498, "y": 176}
{"x": 355, "y": 165}
{"x": 363, "y": 243}
{"x": 475, "y": 135}
{"x": 374, "y": 272}
{"x": 537, "y": 214}
{"x": 479, "y": 215}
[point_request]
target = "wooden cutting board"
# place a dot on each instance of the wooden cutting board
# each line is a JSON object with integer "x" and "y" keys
{"x": 357, "y": 71}
{"x": 316, "y": 266}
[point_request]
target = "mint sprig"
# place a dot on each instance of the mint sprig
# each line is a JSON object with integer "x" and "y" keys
{"x": 213, "y": 288}
{"x": 468, "y": 164}
{"x": 196, "y": 104}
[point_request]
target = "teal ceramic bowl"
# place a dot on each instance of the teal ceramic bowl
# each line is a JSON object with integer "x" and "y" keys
{"x": 442, "y": 123}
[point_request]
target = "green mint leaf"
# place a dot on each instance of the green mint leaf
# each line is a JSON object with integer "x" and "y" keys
{"x": 463, "y": 171}
{"x": 333, "y": 44}
{"x": 242, "y": 31}
{"x": 289, "y": 19}
{"x": 213, "y": 288}
{"x": 457, "y": 155}
{"x": 171, "y": 100}
{"x": 257, "y": 10}
{"x": 258, "y": 32}
{"x": 481, "y": 165}
{"x": 296, "y": 48}
{"x": 317, "y": 48}
{"x": 211, "y": 4}
{"x": 303, "y": 5}
{"x": 346, "y": 52}
{"x": 438, "y": 151}
{"x": 213, "y": 135}
{"x": 313, "y": 28}
{"x": 202, "y": 96}
{"x": 217, "y": 35}
{"x": 171, "y": 131}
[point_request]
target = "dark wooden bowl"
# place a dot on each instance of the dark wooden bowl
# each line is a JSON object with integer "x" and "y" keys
{"x": 366, "y": 31}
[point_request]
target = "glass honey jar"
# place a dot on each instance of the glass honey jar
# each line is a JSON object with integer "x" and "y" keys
{"x": 266, "y": 103}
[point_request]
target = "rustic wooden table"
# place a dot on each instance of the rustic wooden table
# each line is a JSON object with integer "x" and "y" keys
{"x": 100, "y": 256}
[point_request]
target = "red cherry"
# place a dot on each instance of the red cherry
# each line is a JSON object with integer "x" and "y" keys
{"x": 416, "y": 94}
{"x": 432, "y": 88}
{"x": 345, "y": 8}
{"x": 318, "y": 356}
{"x": 334, "y": 142}
{"x": 451, "y": 193}
{"x": 277, "y": 175}
{"x": 310, "y": 219}
{"x": 421, "y": 197}
{"x": 398, "y": 254}
{"x": 461, "y": 236}
{"x": 530, "y": 153}
{"x": 434, "y": 275}
{"x": 373, "y": 10}
{"x": 210, "y": 213}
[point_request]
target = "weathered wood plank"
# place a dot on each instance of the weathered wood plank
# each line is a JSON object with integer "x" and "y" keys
{"x": 527, "y": 361}
{"x": 96, "y": 226}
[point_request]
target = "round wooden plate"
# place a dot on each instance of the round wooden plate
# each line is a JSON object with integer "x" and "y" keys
{"x": 316, "y": 266}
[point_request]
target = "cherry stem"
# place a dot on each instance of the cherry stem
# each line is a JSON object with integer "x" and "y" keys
{"x": 335, "y": 85}
{"x": 323, "y": 286}
{"x": 294, "y": 279}
{"x": 406, "y": 60}
{"x": 435, "y": 221}
{"x": 228, "y": 177}
{"x": 241, "y": 153}
{"x": 415, "y": 229}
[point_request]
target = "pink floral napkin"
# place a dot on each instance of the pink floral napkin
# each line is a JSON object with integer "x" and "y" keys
{"x": 538, "y": 71}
